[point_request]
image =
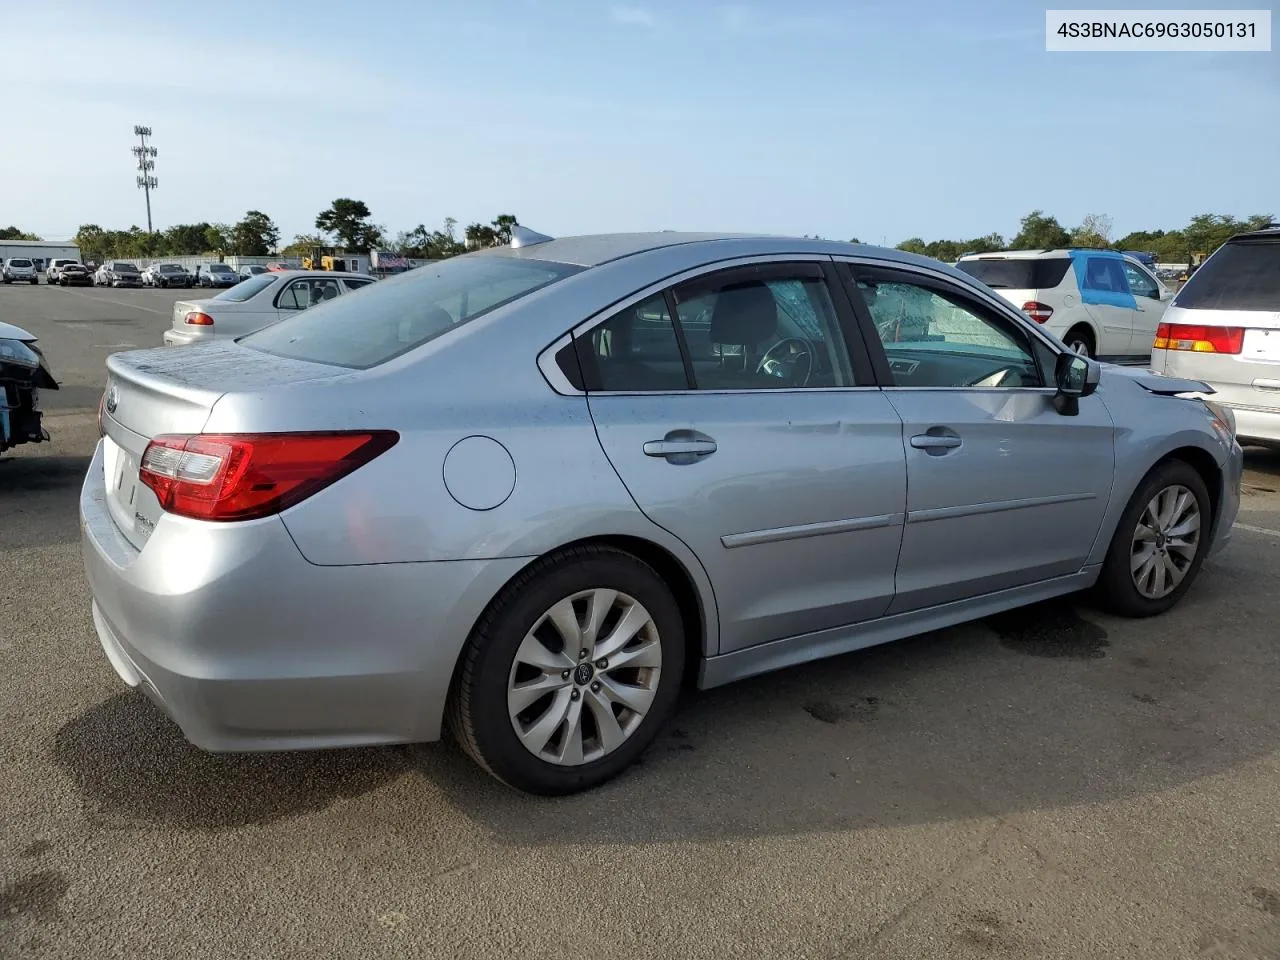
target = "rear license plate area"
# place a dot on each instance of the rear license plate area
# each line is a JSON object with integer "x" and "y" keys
{"x": 1261, "y": 345}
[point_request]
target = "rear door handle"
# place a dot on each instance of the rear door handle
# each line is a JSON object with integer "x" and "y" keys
{"x": 672, "y": 448}
{"x": 928, "y": 441}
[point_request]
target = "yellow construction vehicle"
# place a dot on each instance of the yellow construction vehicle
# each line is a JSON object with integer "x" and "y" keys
{"x": 326, "y": 261}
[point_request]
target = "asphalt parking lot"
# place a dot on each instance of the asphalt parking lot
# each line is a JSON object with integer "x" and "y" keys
{"x": 1053, "y": 782}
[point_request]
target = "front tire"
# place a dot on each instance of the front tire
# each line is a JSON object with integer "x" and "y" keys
{"x": 570, "y": 673}
{"x": 1080, "y": 340}
{"x": 1159, "y": 544}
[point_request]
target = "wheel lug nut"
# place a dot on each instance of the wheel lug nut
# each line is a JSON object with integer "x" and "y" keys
{"x": 582, "y": 654}
{"x": 603, "y": 663}
{"x": 595, "y": 688}
{"x": 564, "y": 675}
{"x": 575, "y": 695}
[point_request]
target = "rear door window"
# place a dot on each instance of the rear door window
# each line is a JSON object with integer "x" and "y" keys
{"x": 1242, "y": 275}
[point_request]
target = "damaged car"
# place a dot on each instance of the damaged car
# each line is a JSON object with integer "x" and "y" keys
{"x": 24, "y": 372}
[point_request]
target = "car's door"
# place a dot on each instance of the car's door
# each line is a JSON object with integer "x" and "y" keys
{"x": 1104, "y": 291}
{"x": 740, "y": 422}
{"x": 1002, "y": 489}
{"x": 1150, "y": 299}
{"x": 304, "y": 293}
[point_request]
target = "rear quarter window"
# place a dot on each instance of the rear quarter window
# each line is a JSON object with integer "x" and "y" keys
{"x": 396, "y": 315}
{"x": 1017, "y": 273}
{"x": 1243, "y": 275}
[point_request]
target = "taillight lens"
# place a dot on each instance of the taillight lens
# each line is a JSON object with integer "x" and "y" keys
{"x": 198, "y": 319}
{"x": 1039, "y": 312}
{"x": 1198, "y": 338}
{"x": 246, "y": 476}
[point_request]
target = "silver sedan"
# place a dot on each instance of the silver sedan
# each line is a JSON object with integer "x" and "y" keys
{"x": 526, "y": 491}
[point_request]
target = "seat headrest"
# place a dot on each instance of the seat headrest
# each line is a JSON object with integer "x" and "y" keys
{"x": 745, "y": 314}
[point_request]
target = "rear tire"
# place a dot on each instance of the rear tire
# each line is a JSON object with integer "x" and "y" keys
{"x": 1163, "y": 535}
{"x": 1080, "y": 340}
{"x": 518, "y": 643}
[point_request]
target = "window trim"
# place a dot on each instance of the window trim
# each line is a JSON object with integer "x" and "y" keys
{"x": 919, "y": 276}
{"x": 862, "y": 366}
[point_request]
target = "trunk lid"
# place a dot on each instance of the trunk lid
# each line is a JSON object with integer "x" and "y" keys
{"x": 152, "y": 392}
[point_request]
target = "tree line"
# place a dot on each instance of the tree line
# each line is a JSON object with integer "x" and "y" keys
{"x": 349, "y": 224}
{"x": 1038, "y": 231}
{"x": 345, "y": 223}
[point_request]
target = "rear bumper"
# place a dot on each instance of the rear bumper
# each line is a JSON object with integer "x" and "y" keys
{"x": 247, "y": 646}
{"x": 180, "y": 338}
{"x": 1255, "y": 423}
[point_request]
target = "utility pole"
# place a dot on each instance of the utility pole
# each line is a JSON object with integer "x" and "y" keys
{"x": 146, "y": 163}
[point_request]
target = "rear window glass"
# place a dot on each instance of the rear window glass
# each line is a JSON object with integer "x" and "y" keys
{"x": 1017, "y": 273}
{"x": 19, "y": 262}
{"x": 246, "y": 288}
{"x": 406, "y": 311}
{"x": 1243, "y": 275}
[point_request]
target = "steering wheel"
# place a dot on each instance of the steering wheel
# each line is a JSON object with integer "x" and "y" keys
{"x": 775, "y": 364}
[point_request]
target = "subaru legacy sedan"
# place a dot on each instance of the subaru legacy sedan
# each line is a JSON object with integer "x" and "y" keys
{"x": 527, "y": 491}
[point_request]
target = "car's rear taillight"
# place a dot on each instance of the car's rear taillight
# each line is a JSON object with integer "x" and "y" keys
{"x": 1039, "y": 312}
{"x": 1198, "y": 338}
{"x": 196, "y": 318}
{"x": 245, "y": 476}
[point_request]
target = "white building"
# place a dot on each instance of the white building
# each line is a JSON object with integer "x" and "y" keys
{"x": 44, "y": 250}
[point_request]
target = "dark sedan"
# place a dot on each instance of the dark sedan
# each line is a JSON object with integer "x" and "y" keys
{"x": 75, "y": 275}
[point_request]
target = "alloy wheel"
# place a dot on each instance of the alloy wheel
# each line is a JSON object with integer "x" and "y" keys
{"x": 584, "y": 677}
{"x": 1165, "y": 542}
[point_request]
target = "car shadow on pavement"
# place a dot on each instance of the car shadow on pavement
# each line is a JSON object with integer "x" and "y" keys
{"x": 133, "y": 767}
{"x": 1045, "y": 707}
{"x": 1265, "y": 461}
{"x": 1049, "y": 706}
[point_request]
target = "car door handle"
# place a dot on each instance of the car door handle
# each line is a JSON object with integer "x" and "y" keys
{"x": 672, "y": 448}
{"x": 929, "y": 441}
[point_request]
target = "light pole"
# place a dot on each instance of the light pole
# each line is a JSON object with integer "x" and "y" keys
{"x": 146, "y": 163}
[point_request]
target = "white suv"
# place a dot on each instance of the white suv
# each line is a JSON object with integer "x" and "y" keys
{"x": 1100, "y": 303}
{"x": 54, "y": 270}
{"x": 1223, "y": 327}
{"x": 20, "y": 270}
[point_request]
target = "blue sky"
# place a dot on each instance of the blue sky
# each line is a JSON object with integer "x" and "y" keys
{"x": 875, "y": 120}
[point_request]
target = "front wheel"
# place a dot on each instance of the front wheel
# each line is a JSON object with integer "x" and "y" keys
{"x": 1080, "y": 340}
{"x": 571, "y": 672}
{"x": 1159, "y": 544}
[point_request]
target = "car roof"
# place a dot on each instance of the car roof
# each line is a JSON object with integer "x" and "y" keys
{"x": 1043, "y": 254}
{"x": 591, "y": 250}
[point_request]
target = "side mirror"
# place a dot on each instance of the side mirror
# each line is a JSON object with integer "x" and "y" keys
{"x": 1075, "y": 376}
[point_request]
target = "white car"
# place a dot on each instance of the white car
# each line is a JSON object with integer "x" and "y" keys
{"x": 256, "y": 303}
{"x": 1223, "y": 328}
{"x": 117, "y": 273}
{"x": 20, "y": 270}
{"x": 1100, "y": 303}
{"x": 53, "y": 272}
